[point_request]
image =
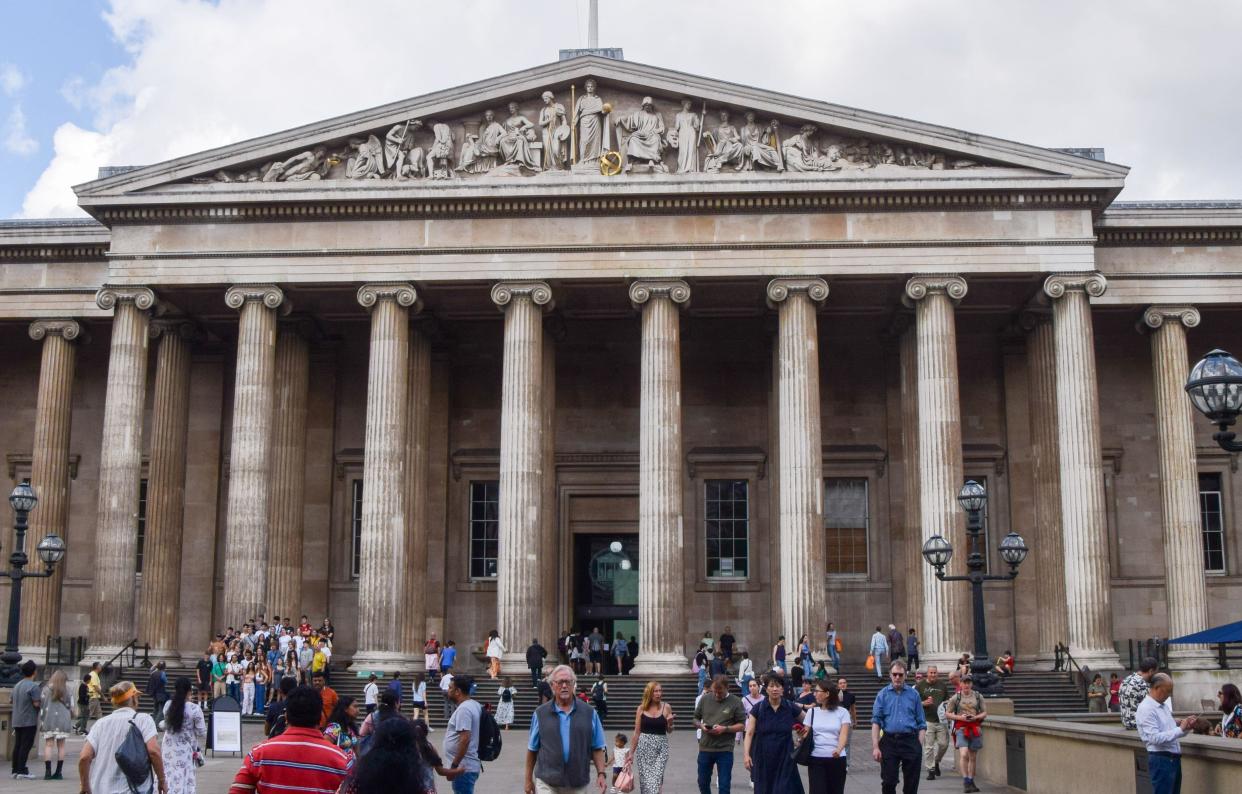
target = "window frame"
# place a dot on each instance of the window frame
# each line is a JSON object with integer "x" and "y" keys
{"x": 470, "y": 531}
{"x": 140, "y": 524}
{"x": 749, "y": 537}
{"x": 868, "y": 527}
{"x": 1223, "y": 522}
{"x": 354, "y": 522}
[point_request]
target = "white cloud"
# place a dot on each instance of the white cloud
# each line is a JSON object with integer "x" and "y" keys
{"x": 1148, "y": 81}
{"x": 11, "y": 79}
{"x": 16, "y": 139}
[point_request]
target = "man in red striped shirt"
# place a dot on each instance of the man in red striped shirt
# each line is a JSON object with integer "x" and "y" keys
{"x": 299, "y": 759}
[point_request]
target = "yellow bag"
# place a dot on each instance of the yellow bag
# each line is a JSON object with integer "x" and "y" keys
{"x": 870, "y": 662}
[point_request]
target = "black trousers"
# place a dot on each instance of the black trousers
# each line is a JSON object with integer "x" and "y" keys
{"x": 900, "y": 752}
{"x": 827, "y": 775}
{"x": 23, "y": 740}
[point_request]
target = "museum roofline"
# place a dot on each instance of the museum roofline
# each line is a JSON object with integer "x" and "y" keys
{"x": 1170, "y": 214}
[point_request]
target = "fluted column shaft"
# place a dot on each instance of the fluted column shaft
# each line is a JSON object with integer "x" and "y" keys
{"x": 1085, "y": 527}
{"x": 49, "y": 471}
{"x": 909, "y": 354}
{"x": 159, "y": 605}
{"x": 288, "y": 475}
{"x": 1186, "y": 590}
{"x": 417, "y": 448}
{"x": 383, "y": 560}
{"x": 519, "y": 590}
{"x": 120, "y": 471}
{"x": 946, "y": 605}
{"x": 1046, "y": 470}
{"x": 660, "y": 575}
{"x": 246, "y": 545}
{"x": 801, "y": 458}
{"x": 549, "y": 548}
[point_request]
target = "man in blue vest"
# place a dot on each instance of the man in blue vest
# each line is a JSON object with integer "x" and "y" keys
{"x": 566, "y": 738}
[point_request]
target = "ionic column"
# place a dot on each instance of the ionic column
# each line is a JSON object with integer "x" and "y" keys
{"x": 384, "y": 568}
{"x": 1048, "y": 545}
{"x": 913, "y": 557}
{"x": 120, "y": 471}
{"x": 170, "y": 416}
{"x": 49, "y": 475}
{"x": 519, "y": 590}
{"x": 549, "y": 548}
{"x": 1186, "y": 590}
{"x": 946, "y": 605}
{"x": 1084, "y": 523}
{"x": 801, "y": 457}
{"x": 418, "y": 484}
{"x": 661, "y": 618}
{"x": 287, "y": 483}
{"x": 250, "y": 454}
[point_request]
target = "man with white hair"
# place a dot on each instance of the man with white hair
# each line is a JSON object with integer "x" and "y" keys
{"x": 566, "y": 738}
{"x": 97, "y": 766}
{"x": 1161, "y": 736}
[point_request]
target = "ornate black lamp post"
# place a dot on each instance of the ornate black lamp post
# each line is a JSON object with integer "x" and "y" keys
{"x": 1215, "y": 389}
{"x": 938, "y": 551}
{"x": 51, "y": 550}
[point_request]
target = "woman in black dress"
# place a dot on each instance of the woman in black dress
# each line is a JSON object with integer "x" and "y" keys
{"x": 769, "y": 742}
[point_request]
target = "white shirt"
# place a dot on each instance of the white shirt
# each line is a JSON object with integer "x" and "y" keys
{"x": 283, "y": 643}
{"x": 746, "y": 668}
{"x": 1157, "y": 728}
{"x": 825, "y": 728}
{"x": 618, "y": 756}
{"x": 494, "y": 648}
{"x": 420, "y": 692}
{"x": 370, "y": 694}
{"x": 879, "y": 644}
{"x": 105, "y": 738}
{"x": 446, "y": 680}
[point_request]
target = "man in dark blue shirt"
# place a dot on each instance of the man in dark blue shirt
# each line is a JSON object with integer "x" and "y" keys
{"x": 898, "y": 712}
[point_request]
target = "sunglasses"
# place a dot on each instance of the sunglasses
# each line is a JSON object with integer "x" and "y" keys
{"x": 898, "y": 675}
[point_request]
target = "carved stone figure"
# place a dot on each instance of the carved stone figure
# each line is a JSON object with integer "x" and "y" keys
{"x": 645, "y": 141}
{"x": 441, "y": 152}
{"x": 589, "y": 119}
{"x": 802, "y": 153}
{"x": 757, "y": 150}
{"x": 310, "y": 165}
{"x": 555, "y": 133}
{"x": 367, "y": 160}
{"x": 518, "y": 134}
{"x": 480, "y": 153}
{"x": 726, "y": 147}
{"x": 401, "y": 158}
{"x": 684, "y": 137}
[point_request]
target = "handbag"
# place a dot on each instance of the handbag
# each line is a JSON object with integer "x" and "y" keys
{"x": 802, "y": 751}
{"x": 625, "y": 778}
{"x": 838, "y": 645}
{"x": 870, "y": 661}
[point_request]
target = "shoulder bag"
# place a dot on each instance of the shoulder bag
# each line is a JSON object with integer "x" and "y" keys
{"x": 802, "y": 750}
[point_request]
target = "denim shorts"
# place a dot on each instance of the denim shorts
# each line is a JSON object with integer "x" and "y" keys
{"x": 962, "y": 743}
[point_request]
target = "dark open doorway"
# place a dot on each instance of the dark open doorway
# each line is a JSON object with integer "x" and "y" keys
{"x": 606, "y": 587}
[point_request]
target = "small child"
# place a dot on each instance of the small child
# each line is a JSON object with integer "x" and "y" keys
{"x": 619, "y": 754}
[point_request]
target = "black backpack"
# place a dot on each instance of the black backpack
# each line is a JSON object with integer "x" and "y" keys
{"x": 506, "y": 696}
{"x": 132, "y": 758}
{"x": 84, "y": 693}
{"x": 489, "y": 737}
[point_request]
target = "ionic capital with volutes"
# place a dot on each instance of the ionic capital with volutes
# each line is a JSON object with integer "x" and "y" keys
{"x": 143, "y": 298}
{"x": 1094, "y": 284}
{"x": 186, "y": 329}
{"x": 269, "y": 295}
{"x": 67, "y": 329}
{"x": 919, "y": 287}
{"x": 1155, "y": 316}
{"x": 779, "y": 289}
{"x": 402, "y": 292}
{"x": 539, "y": 293}
{"x": 645, "y": 289}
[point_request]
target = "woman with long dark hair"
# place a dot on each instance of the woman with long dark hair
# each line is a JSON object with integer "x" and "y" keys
{"x": 1231, "y": 708}
{"x": 394, "y": 762}
{"x": 184, "y": 730}
{"x": 342, "y": 727}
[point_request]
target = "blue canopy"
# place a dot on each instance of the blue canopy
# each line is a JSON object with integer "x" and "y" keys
{"x": 1230, "y": 632}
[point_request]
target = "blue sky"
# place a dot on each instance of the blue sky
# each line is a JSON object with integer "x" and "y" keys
{"x": 85, "y": 83}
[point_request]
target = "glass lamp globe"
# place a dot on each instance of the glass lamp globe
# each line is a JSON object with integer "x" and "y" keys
{"x": 51, "y": 549}
{"x": 615, "y": 547}
{"x": 972, "y": 497}
{"x": 1215, "y": 387}
{"x": 1013, "y": 549}
{"x": 23, "y": 497}
{"x": 937, "y": 551}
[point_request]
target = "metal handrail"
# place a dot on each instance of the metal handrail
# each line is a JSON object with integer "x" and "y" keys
{"x": 1078, "y": 673}
{"x": 55, "y": 650}
{"x": 1224, "y": 655}
{"x": 132, "y": 648}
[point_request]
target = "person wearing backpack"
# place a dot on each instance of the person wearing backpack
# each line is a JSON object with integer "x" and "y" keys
{"x": 504, "y": 703}
{"x": 112, "y": 759}
{"x": 462, "y": 735}
{"x": 966, "y": 709}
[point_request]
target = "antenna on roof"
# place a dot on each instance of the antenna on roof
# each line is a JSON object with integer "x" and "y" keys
{"x": 593, "y": 47}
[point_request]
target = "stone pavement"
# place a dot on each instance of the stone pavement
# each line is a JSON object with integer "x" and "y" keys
{"x": 505, "y": 776}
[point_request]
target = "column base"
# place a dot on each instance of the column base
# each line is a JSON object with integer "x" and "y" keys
{"x": 1044, "y": 660}
{"x": 1193, "y": 686}
{"x": 1192, "y": 658}
{"x": 649, "y": 663}
{"x": 514, "y": 663}
{"x": 944, "y": 662}
{"x": 36, "y": 652}
{"x": 1097, "y": 660}
{"x": 381, "y": 662}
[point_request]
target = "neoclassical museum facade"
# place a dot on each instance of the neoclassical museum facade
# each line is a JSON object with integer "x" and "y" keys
{"x": 602, "y": 344}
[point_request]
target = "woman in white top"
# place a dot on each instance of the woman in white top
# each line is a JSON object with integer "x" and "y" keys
{"x": 745, "y": 671}
{"x": 495, "y": 649}
{"x": 828, "y": 725}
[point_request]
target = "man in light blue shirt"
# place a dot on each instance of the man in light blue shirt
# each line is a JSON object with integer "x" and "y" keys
{"x": 1161, "y": 735}
{"x": 898, "y": 712}
{"x": 581, "y": 735}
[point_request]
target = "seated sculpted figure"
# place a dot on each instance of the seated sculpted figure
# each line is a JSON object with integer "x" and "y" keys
{"x": 645, "y": 142}
{"x": 519, "y": 134}
{"x": 368, "y": 158}
{"x": 727, "y": 147}
{"x": 802, "y": 153}
{"x": 758, "y": 152}
{"x": 480, "y": 152}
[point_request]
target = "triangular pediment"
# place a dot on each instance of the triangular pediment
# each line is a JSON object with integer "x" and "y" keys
{"x": 445, "y": 141}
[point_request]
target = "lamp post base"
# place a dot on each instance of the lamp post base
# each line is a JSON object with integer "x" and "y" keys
{"x": 985, "y": 679}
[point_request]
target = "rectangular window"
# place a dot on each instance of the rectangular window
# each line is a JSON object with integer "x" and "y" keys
{"x": 484, "y": 528}
{"x": 355, "y": 527}
{"x": 1212, "y": 519}
{"x": 142, "y": 524}
{"x": 847, "y": 518}
{"x": 727, "y": 511}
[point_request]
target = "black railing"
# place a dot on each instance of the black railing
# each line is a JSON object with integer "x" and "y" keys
{"x": 1081, "y": 676}
{"x": 1141, "y": 649}
{"x": 1229, "y": 655}
{"x": 130, "y": 651}
{"x": 64, "y": 651}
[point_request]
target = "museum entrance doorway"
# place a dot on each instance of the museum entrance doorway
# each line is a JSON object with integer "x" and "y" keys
{"x": 605, "y": 587}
